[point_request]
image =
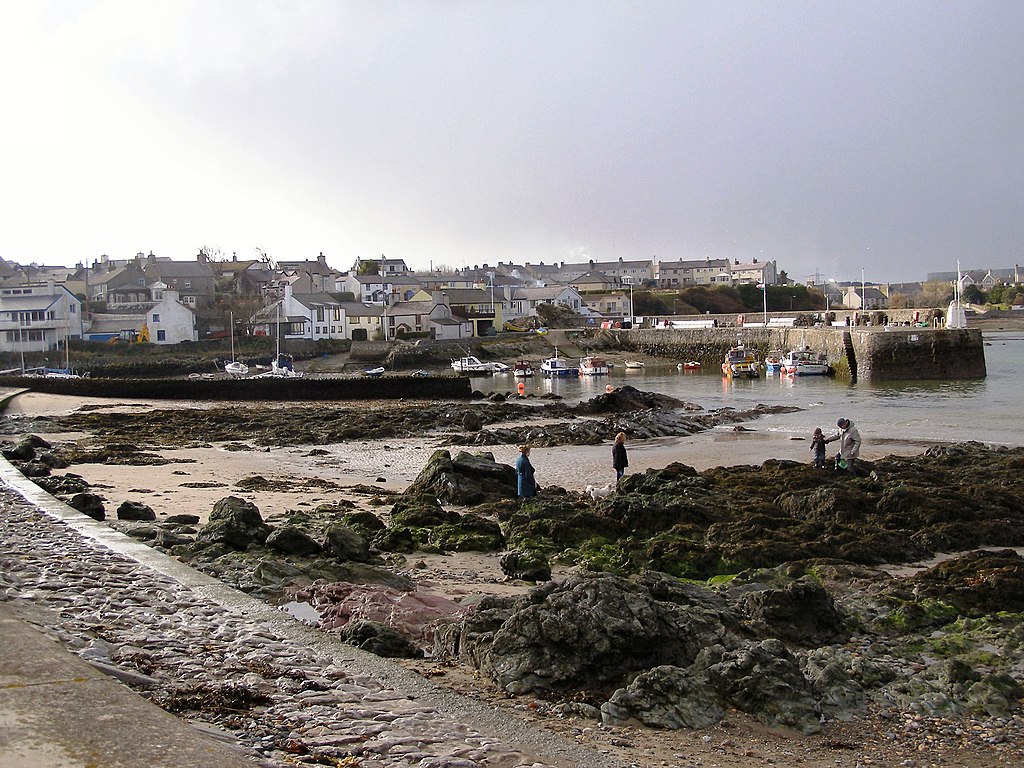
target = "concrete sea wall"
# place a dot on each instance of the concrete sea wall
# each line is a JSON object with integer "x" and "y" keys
{"x": 865, "y": 354}
{"x": 299, "y": 389}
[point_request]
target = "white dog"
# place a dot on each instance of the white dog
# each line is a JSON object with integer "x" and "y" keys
{"x": 599, "y": 493}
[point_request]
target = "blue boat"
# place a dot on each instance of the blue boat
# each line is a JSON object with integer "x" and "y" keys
{"x": 558, "y": 366}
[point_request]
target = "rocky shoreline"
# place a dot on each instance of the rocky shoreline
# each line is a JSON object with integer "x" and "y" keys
{"x": 760, "y": 595}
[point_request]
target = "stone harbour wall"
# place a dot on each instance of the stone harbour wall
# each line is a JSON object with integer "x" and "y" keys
{"x": 305, "y": 388}
{"x": 866, "y": 354}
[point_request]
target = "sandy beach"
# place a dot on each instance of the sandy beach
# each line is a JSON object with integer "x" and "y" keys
{"x": 195, "y": 478}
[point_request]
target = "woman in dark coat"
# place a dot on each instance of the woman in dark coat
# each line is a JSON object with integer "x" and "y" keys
{"x": 619, "y": 460}
{"x": 526, "y": 486}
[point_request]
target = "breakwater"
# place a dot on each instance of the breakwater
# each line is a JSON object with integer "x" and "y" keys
{"x": 894, "y": 353}
{"x": 266, "y": 389}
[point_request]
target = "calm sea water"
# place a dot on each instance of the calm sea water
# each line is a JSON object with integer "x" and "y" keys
{"x": 990, "y": 410}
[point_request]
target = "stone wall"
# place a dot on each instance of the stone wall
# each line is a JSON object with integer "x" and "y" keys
{"x": 866, "y": 354}
{"x": 267, "y": 389}
{"x": 915, "y": 353}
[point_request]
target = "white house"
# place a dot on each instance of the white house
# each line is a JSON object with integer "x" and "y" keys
{"x": 38, "y": 317}
{"x": 316, "y": 316}
{"x": 425, "y": 315}
{"x": 869, "y": 297}
{"x": 756, "y": 272}
{"x": 164, "y": 319}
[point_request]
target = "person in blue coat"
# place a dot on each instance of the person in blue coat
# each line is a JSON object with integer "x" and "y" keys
{"x": 526, "y": 486}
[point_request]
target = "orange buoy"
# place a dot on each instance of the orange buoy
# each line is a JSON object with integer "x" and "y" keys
{"x": 609, "y": 389}
{"x": 521, "y": 388}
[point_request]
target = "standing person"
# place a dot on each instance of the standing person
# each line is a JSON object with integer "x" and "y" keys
{"x": 619, "y": 460}
{"x": 849, "y": 446}
{"x": 818, "y": 449}
{"x": 526, "y": 485}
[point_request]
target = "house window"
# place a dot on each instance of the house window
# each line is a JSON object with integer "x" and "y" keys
{"x": 319, "y": 314}
{"x": 156, "y": 317}
{"x": 161, "y": 335}
{"x": 188, "y": 283}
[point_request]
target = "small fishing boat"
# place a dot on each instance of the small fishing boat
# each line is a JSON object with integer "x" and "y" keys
{"x": 806, "y": 363}
{"x": 558, "y": 366}
{"x": 689, "y": 365}
{"x": 473, "y": 365}
{"x": 374, "y": 372}
{"x": 740, "y": 363}
{"x": 522, "y": 369}
{"x": 591, "y": 365}
{"x": 634, "y": 365}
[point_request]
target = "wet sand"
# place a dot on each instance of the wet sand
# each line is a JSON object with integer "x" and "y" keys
{"x": 196, "y": 478}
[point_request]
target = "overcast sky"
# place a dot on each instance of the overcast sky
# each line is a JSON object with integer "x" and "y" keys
{"x": 830, "y": 136}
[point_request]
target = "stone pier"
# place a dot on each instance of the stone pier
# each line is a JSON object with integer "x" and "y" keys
{"x": 888, "y": 353}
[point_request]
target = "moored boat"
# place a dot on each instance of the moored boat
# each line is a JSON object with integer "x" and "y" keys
{"x": 634, "y": 364}
{"x": 522, "y": 369}
{"x": 591, "y": 365}
{"x": 374, "y": 372}
{"x": 473, "y": 365}
{"x": 558, "y": 366}
{"x": 806, "y": 363}
{"x": 689, "y": 365}
{"x": 740, "y": 362}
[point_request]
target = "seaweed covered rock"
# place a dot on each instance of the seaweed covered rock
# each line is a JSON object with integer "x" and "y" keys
{"x": 763, "y": 679}
{"x": 629, "y": 398}
{"x": 976, "y": 583}
{"x": 24, "y": 448}
{"x": 379, "y": 639}
{"x": 801, "y": 612}
{"x": 293, "y": 540}
{"x": 344, "y": 543}
{"x": 466, "y": 479}
{"x": 528, "y": 565}
{"x": 592, "y": 631}
{"x": 135, "y": 510}
{"x": 728, "y": 519}
{"x": 236, "y": 523}
{"x": 88, "y": 504}
{"x": 665, "y": 697}
{"x": 62, "y": 485}
{"x": 365, "y": 523}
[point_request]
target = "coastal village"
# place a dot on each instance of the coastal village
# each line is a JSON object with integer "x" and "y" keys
{"x": 165, "y": 301}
